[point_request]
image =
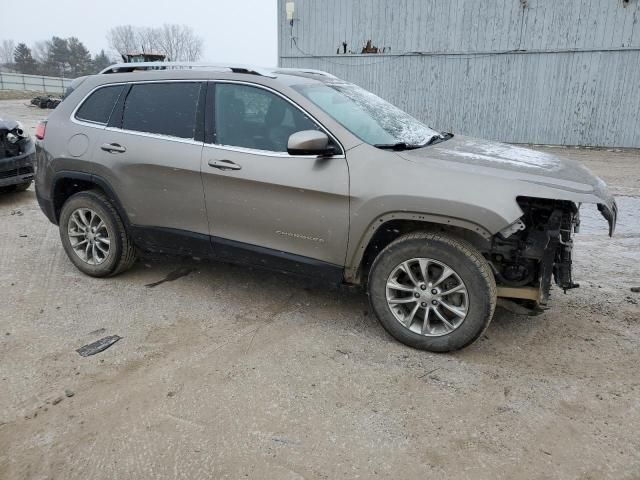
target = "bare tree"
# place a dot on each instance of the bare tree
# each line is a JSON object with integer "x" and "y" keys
{"x": 193, "y": 49}
{"x": 148, "y": 40}
{"x": 177, "y": 42}
{"x": 123, "y": 39}
{"x": 7, "y": 48}
{"x": 180, "y": 43}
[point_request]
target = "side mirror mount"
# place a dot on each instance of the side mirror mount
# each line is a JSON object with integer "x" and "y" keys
{"x": 309, "y": 142}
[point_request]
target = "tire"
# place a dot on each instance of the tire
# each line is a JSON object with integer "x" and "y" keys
{"x": 121, "y": 252}
{"x": 21, "y": 187}
{"x": 472, "y": 278}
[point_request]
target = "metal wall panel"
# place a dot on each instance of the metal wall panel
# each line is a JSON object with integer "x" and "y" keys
{"x": 565, "y": 72}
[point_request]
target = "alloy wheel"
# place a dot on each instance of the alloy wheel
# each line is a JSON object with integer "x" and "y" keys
{"x": 427, "y": 297}
{"x": 88, "y": 236}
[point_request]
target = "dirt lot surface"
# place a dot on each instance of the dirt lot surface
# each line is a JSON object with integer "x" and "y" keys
{"x": 225, "y": 372}
{"x": 18, "y": 95}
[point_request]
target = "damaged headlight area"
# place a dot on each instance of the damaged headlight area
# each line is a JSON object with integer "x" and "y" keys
{"x": 537, "y": 248}
{"x": 13, "y": 139}
{"x": 17, "y": 156}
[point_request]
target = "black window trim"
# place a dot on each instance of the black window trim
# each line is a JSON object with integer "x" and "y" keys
{"x": 115, "y": 120}
{"x": 210, "y": 134}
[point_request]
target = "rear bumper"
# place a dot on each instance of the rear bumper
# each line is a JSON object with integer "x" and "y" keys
{"x": 18, "y": 169}
{"x": 46, "y": 205}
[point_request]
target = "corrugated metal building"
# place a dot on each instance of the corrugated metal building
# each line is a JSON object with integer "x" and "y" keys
{"x": 564, "y": 72}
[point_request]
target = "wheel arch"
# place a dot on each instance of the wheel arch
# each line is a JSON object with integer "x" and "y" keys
{"x": 67, "y": 183}
{"x": 386, "y": 228}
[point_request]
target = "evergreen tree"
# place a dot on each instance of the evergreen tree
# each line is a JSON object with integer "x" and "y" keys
{"x": 79, "y": 58}
{"x": 24, "y": 62}
{"x": 101, "y": 61}
{"x": 57, "y": 62}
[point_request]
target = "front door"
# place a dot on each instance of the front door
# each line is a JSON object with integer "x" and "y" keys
{"x": 266, "y": 206}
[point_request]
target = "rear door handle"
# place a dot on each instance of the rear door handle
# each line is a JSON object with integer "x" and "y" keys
{"x": 224, "y": 165}
{"x": 113, "y": 148}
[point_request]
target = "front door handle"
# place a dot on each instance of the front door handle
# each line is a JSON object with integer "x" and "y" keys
{"x": 224, "y": 165}
{"x": 113, "y": 148}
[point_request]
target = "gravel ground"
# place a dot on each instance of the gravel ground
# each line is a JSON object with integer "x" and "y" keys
{"x": 18, "y": 95}
{"x": 226, "y": 372}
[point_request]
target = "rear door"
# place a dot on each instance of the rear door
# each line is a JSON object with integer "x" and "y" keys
{"x": 263, "y": 203}
{"x": 151, "y": 154}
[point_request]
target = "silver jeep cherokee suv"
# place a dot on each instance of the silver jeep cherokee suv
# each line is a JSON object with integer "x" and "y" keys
{"x": 301, "y": 172}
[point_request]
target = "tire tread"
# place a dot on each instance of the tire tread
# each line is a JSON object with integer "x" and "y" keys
{"x": 469, "y": 252}
{"x": 129, "y": 252}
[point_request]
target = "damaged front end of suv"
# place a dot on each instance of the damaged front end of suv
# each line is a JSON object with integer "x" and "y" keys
{"x": 528, "y": 203}
{"x": 537, "y": 250}
{"x": 17, "y": 154}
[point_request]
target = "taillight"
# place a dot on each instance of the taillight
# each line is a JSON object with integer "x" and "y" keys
{"x": 41, "y": 130}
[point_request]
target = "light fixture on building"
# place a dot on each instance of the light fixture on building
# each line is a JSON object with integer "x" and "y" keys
{"x": 291, "y": 8}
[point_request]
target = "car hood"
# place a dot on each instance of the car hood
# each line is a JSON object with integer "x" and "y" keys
{"x": 542, "y": 174}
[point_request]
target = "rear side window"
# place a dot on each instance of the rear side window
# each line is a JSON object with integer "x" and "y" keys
{"x": 98, "y": 107}
{"x": 162, "y": 108}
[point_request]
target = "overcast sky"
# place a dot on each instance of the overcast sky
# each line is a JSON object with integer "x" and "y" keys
{"x": 238, "y": 31}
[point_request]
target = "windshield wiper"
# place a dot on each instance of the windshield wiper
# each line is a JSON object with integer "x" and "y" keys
{"x": 398, "y": 147}
{"x": 441, "y": 137}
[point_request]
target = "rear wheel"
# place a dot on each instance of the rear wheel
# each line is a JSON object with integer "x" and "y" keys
{"x": 432, "y": 292}
{"x": 93, "y": 235}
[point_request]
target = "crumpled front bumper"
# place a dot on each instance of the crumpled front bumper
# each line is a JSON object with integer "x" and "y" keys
{"x": 610, "y": 214}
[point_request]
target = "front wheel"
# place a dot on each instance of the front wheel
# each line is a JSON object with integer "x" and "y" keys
{"x": 432, "y": 292}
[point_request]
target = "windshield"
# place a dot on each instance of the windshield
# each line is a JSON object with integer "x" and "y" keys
{"x": 366, "y": 115}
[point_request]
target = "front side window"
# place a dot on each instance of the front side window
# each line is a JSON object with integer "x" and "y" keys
{"x": 366, "y": 115}
{"x": 252, "y": 117}
{"x": 162, "y": 108}
{"x": 98, "y": 107}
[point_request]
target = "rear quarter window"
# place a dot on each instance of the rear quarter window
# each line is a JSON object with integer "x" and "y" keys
{"x": 162, "y": 108}
{"x": 98, "y": 107}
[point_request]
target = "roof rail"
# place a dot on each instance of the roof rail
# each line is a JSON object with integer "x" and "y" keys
{"x": 135, "y": 66}
{"x": 304, "y": 70}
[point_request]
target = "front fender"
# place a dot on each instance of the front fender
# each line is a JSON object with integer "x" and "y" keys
{"x": 359, "y": 246}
